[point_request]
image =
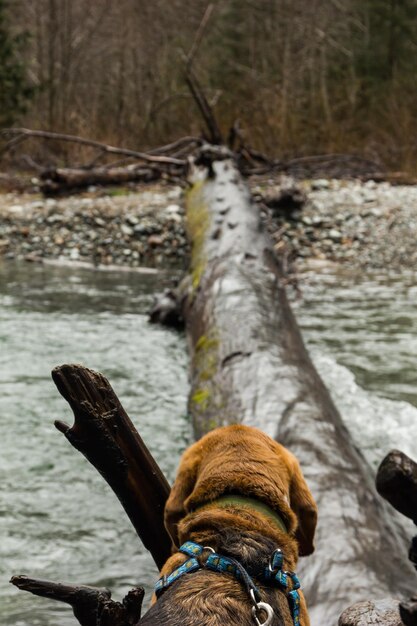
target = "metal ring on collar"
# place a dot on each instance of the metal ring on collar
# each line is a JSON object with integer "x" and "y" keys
{"x": 266, "y": 608}
{"x": 206, "y": 552}
{"x": 271, "y": 560}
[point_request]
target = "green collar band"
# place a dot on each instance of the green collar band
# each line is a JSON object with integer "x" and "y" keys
{"x": 248, "y": 503}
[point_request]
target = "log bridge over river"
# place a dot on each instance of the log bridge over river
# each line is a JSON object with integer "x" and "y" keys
{"x": 248, "y": 365}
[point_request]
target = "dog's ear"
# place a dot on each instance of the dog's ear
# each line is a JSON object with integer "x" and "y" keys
{"x": 183, "y": 486}
{"x": 305, "y": 508}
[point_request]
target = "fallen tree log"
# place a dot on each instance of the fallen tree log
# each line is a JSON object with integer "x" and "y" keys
{"x": 249, "y": 365}
{"x": 63, "y": 180}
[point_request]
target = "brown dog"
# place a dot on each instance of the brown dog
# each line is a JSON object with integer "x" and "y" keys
{"x": 243, "y": 495}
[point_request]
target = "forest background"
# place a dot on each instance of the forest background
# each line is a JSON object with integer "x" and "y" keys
{"x": 302, "y": 77}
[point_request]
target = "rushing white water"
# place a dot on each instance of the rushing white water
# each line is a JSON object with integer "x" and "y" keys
{"x": 362, "y": 335}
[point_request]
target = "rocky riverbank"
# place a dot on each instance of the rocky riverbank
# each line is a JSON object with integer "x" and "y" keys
{"x": 141, "y": 228}
{"x": 362, "y": 225}
{"x": 365, "y": 226}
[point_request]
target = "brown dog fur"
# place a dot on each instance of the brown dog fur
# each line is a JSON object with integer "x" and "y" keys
{"x": 234, "y": 460}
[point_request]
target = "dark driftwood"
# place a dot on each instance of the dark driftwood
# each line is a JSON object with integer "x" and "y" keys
{"x": 214, "y": 135}
{"x": 92, "y": 606}
{"x": 249, "y": 365}
{"x": 104, "y": 433}
{"x": 213, "y": 132}
{"x": 396, "y": 481}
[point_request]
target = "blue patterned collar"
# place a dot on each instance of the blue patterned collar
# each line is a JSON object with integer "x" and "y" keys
{"x": 203, "y": 557}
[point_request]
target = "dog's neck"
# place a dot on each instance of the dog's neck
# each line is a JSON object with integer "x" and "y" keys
{"x": 238, "y": 533}
{"x": 240, "y": 501}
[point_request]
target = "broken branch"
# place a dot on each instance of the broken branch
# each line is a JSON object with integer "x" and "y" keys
{"x": 105, "y": 435}
{"x": 92, "y": 606}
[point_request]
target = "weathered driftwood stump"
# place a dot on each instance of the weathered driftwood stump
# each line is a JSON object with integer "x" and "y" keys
{"x": 103, "y": 432}
{"x": 249, "y": 365}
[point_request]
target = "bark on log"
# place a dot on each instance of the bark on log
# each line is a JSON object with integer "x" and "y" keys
{"x": 105, "y": 435}
{"x": 92, "y": 606}
{"x": 249, "y": 365}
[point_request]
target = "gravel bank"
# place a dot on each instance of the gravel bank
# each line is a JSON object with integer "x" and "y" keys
{"x": 361, "y": 225}
{"x": 135, "y": 229}
{"x": 366, "y": 226}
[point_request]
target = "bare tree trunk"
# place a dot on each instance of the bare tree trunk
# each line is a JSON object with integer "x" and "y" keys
{"x": 52, "y": 35}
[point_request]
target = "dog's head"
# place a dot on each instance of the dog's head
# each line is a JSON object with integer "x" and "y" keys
{"x": 243, "y": 460}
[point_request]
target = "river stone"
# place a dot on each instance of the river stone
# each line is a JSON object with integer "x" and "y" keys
{"x": 127, "y": 230}
{"x": 173, "y": 209}
{"x": 383, "y": 612}
{"x": 320, "y": 183}
{"x": 155, "y": 240}
{"x": 132, "y": 220}
{"x": 16, "y": 208}
{"x": 335, "y": 234}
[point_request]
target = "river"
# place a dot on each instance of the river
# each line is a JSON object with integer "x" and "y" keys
{"x": 58, "y": 518}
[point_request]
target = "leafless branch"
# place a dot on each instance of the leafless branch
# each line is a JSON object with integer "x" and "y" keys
{"x": 25, "y": 133}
